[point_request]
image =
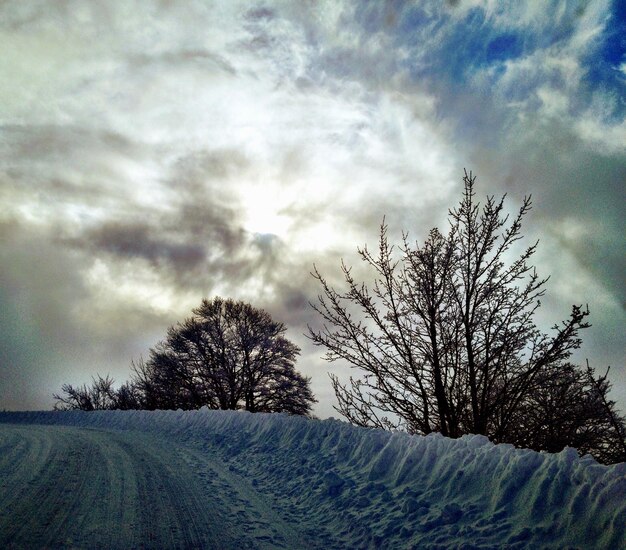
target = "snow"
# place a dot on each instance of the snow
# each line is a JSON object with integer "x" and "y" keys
{"x": 224, "y": 479}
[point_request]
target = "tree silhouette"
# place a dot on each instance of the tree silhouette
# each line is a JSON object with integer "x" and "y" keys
{"x": 99, "y": 396}
{"x": 569, "y": 406}
{"x": 228, "y": 355}
{"x": 446, "y": 339}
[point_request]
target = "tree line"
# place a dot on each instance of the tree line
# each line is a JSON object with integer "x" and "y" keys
{"x": 443, "y": 340}
{"x": 227, "y": 355}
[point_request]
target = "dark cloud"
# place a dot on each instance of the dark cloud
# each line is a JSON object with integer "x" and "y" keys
{"x": 196, "y": 171}
{"x": 42, "y": 142}
{"x": 263, "y": 13}
{"x": 197, "y": 240}
{"x": 68, "y": 164}
{"x": 140, "y": 241}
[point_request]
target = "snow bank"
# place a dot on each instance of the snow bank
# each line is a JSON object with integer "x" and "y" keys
{"x": 371, "y": 488}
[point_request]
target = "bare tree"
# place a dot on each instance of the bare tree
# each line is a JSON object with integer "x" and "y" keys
{"x": 128, "y": 397}
{"x": 609, "y": 435}
{"x": 228, "y": 355}
{"x": 569, "y": 406}
{"x": 100, "y": 395}
{"x": 445, "y": 340}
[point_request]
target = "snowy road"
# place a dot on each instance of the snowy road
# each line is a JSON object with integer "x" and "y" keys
{"x": 226, "y": 479}
{"x": 74, "y": 487}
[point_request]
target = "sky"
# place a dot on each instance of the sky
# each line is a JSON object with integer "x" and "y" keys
{"x": 154, "y": 153}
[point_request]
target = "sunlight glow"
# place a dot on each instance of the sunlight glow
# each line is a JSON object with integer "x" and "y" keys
{"x": 265, "y": 205}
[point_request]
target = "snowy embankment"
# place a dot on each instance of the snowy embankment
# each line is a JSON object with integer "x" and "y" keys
{"x": 328, "y": 484}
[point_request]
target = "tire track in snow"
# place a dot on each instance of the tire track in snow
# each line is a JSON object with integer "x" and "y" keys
{"x": 85, "y": 488}
{"x": 51, "y": 484}
{"x": 175, "y": 512}
{"x": 19, "y": 457}
{"x": 266, "y": 524}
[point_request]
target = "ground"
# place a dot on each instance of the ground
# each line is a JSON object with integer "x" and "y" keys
{"x": 214, "y": 479}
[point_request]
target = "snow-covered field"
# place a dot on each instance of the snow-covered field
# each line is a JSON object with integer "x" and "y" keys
{"x": 218, "y": 479}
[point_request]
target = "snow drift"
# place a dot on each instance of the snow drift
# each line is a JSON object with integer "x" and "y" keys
{"x": 351, "y": 487}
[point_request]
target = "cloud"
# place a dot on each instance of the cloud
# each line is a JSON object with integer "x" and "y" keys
{"x": 139, "y": 241}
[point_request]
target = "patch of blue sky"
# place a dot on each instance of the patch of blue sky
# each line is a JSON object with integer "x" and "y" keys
{"x": 466, "y": 55}
{"x": 604, "y": 65}
{"x": 613, "y": 50}
{"x": 503, "y": 47}
{"x": 454, "y": 50}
